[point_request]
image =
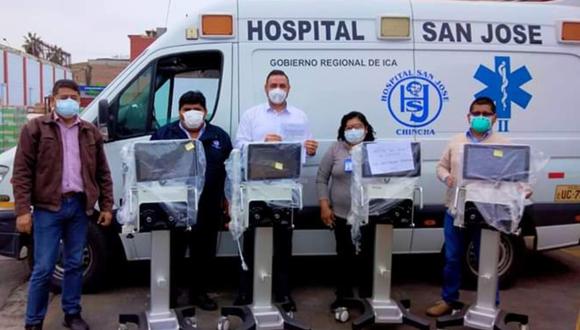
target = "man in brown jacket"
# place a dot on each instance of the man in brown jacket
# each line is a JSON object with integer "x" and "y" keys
{"x": 61, "y": 170}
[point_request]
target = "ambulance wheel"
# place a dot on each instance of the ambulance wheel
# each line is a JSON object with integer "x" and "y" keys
{"x": 98, "y": 255}
{"x": 341, "y": 314}
{"x": 511, "y": 255}
{"x": 223, "y": 323}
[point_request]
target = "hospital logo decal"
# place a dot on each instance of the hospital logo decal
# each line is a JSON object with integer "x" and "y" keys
{"x": 415, "y": 100}
{"x": 504, "y": 86}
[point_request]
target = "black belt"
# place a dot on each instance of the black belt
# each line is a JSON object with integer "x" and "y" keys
{"x": 70, "y": 194}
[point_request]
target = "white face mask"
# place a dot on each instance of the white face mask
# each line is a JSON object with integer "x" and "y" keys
{"x": 193, "y": 119}
{"x": 354, "y": 136}
{"x": 277, "y": 95}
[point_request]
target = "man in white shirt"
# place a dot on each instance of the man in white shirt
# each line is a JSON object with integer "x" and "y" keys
{"x": 274, "y": 121}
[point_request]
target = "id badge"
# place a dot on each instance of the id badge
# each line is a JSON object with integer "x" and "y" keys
{"x": 348, "y": 165}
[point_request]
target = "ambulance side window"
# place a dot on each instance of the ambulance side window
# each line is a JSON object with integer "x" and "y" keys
{"x": 132, "y": 106}
{"x": 151, "y": 100}
{"x": 161, "y": 104}
{"x": 205, "y": 81}
{"x": 201, "y": 71}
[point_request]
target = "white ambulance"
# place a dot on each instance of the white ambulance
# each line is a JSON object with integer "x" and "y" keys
{"x": 412, "y": 66}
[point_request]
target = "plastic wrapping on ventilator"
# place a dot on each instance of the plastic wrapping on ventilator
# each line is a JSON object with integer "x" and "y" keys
{"x": 267, "y": 172}
{"x": 384, "y": 174}
{"x": 162, "y": 182}
{"x": 262, "y": 172}
{"x": 233, "y": 193}
{"x": 496, "y": 179}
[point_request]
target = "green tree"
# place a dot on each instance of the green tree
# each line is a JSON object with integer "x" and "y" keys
{"x": 33, "y": 45}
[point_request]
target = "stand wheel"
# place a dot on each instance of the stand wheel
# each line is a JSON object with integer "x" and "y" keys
{"x": 123, "y": 327}
{"x": 341, "y": 314}
{"x": 290, "y": 314}
{"x": 190, "y": 321}
{"x": 524, "y": 327}
{"x": 223, "y": 323}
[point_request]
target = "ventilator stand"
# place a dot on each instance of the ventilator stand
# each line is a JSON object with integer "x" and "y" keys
{"x": 484, "y": 314}
{"x": 381, "y": 308}
{"x": 263, "y": 314}
{"x": 160, "y": 316}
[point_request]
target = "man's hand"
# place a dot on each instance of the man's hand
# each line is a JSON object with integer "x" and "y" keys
{"x": 226, "y": 207}
{"x": 226, "y": 213}
{"x": 105, "y": 219}
{"x": 450, "y": 181}
{"x": 529, "y": 194}
{"x": 24, "y": 223}
{"x": 326, "y": 214}
{"x": 273, "y": 138}
{"x": 311, "y": 147}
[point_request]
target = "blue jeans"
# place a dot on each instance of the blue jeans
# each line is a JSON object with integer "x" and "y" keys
{"x": 455, "y": 245}
{"x": 70, "y": 224}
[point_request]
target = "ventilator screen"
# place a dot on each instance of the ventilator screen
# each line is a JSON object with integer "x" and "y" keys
{"x": 273, "y": 161}
{"x": 165, "y": 160}
{"x": 496, "y": 162}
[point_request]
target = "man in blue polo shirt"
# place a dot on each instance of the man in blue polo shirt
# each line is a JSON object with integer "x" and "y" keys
{"x": 202, "y": 239}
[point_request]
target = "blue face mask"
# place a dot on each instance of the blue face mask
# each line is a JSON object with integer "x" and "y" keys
{"x": 67, "y": 108}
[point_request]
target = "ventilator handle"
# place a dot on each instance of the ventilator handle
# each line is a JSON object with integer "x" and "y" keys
{"x": 457, "y": 190}
{"x": 419, "y": 189}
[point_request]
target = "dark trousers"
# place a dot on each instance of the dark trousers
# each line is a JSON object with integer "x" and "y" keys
{"x": 193, "y": 273}
{"x": 352, "y": 269}
{"x": 280, "y": 264}
{"x": 456, "y": 240}
{"x": 70, "y": 224}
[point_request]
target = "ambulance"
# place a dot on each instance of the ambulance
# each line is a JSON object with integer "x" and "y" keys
{"x": 411, "y": 66}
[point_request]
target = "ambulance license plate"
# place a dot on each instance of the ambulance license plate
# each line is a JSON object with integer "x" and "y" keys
{"x": 567, "y": 194}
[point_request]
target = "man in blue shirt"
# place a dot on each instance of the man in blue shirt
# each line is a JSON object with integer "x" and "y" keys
{"x": 202, "y": 239}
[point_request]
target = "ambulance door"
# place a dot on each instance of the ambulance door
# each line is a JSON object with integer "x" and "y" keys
{"x": 150, "y": 99}
{"x": 336, "y": 62}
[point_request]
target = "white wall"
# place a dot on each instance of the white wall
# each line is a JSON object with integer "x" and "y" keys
{"x": 33, "y": 81}
{"x": 59, "y": 74}
{"x": 47, "y": 79}
{"x": 2, "y": 86}
{"x": 15, "y": 79}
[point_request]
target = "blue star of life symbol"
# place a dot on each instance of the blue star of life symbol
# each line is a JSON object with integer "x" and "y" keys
{"x": 504, "y": 87}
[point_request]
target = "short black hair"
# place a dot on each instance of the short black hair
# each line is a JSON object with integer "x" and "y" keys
{"x": 192, "y": 97}
{"x": 277, "y": 73}
{"x": 355, "y": 114}
{"x": 65, "y": 83}
{"x": 483, "y": 100}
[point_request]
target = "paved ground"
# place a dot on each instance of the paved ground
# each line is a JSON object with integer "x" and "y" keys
{"x": 548, "y": 291}
{"x": 13, "y": 277}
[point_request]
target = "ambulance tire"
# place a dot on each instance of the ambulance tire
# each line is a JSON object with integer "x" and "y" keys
{"x": 511, "y": 259}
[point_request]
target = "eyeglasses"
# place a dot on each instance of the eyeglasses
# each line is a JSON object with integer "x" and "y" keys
{"x": 481, "y": 113}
